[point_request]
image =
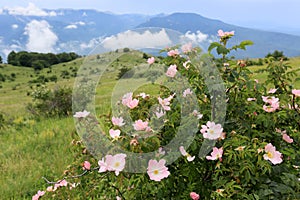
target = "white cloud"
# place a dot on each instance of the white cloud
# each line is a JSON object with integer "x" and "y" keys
{"x": 80, "y": 23}
{"x": 74, "y": 25}
{"x": 30, "y": 10}
{"x": 40, "y": 36}
{"x": 136, "y": 40}
{"x": 14, "y": 26}
{"x": 71, "y": 26}
{"x": 92, "y": 43}
{"x": 197, "y": 37}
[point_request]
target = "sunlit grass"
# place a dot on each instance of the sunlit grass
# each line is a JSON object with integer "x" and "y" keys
{"x": 28, "y": 153}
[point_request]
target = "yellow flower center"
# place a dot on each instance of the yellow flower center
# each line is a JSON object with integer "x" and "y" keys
{"x": 156, "y": 172}
{"x": 117, "y": 164}
{"x": 211, "y": 131}
{"x": 270, "y": 155}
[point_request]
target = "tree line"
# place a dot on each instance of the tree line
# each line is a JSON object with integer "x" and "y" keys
{"x": 39, "y": 61}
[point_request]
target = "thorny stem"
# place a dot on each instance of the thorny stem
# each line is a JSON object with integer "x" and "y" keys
{"x": 70, "y": 177}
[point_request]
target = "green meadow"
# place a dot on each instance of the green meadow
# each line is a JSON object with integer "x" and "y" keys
{"x": 31, "y": 148}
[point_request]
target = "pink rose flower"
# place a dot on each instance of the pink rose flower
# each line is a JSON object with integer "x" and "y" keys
{"x": 272, "y": 91}
{"x": 173, "y": 53}
{"x": 272, "y": 155}
{"x": 187, "y": 92}
{"x": 221, "y": 33}
{"x": 216, "y": 154}
{"x": 194, "y": 196}
{"x": 87, "y": 165}
{"x": 251, "y": 99}
{"x": 186, "y": 64}
{"x": 287, "y": 138}
{"x": 132, "y": 104}
{"x": 157, "y": 170}
{"x": 115, "y": 134}
{"x": 81, "y": 114}
{"x": 128, "y": 101}
{"x": 151, "y": 60}
{"x": 187, "y": 47}
{"x": 160, "y": 113}
{"x": 171, "y": 72}
{"x": 139, "y": 125}
{"x": 38, "y": 195}
{"x": 211, "y": 130}
{"x": 118, "y": 121}
{"x": 296, "y": 92}
{"x": 127, "y": 98}
{"x": 165, "y": 103}
{"x": 187, "y": 155}
{"x": 114, "y": 163}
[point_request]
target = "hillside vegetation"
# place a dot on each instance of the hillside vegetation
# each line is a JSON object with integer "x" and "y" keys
{"x": 30, "y": 147}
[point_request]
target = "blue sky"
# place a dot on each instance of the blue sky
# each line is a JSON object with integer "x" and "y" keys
{"x": 264, "y": 14}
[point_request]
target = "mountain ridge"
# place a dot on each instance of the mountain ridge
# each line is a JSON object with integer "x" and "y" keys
{"x": 82, "y": 30}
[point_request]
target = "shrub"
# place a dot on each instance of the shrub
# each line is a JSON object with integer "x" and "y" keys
{"x": 50, "y": 103}
{"x": 251, "y": 151}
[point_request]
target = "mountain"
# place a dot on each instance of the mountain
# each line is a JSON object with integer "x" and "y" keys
{"x": 264, "y": 41}
{"x": 61, "y": 30}
{"x": 83, "y": 30}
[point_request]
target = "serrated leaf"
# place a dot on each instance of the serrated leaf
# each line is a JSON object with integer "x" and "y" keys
{"x": 213, "y": 45}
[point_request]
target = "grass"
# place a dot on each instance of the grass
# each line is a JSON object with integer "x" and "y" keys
{"x": 261, "y": 77}
{"x": 32, "y": 149}
{"x": 29, "y": 152}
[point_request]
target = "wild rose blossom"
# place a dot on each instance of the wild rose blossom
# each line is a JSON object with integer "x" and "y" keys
{"x": 151, "y": 60}
{"x": 186, "y": 64}
{"x": 114, "y": 163}
{"x": 133, "y": 103}
{"x": 38, "y": 195}
{"x": 187, "y": 155}
{"x": 140, "y": 125}
{"x": 115, "y": 134}
{"x": 287, "y": 138}
{"x": 86, "y": 165}
{"x": 81, "y": 114}
{"x": 118, "y": 121}
{"x": 143, "y": 95}
{"x": 197, "y": 114}
{"x": 194, "y": 196}
{"x": 165, "y": 103}
{"x": 187, "y": 47}
{"x": 272, "y": 155}
{"x": 159, "y": 113}
{"x": 157, "y": 170}
{"x": 173, "y": 53}
{"x": 296, "y": 92}
{"x": 216, "y": 154}
{"x": 128, "y": 101}
{"x": 272, "y": 91}
{"x": 171, "y": 72}
{"x": 251, "y": 99}
{"x": 187, "y": 92}
{"x": 127, "y": 98}
{"x": 221, "y": 33}
{"x": 273, "y": 104}
{"x": 211, "y": 130}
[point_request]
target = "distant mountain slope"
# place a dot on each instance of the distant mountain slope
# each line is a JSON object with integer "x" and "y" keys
{"x": 82, "y": 30}
{"x": 264, "y": 41}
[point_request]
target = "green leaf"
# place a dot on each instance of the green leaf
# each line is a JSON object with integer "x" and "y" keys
{"x": 222, "y": 50}
{"x": 245, "y": 43}
{"x": 213, "y": 45}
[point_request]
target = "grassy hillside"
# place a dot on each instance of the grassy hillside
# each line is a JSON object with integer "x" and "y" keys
{"x": 30, "y": 149}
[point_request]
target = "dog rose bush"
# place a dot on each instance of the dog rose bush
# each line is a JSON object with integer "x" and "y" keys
{"x": 252, "y": 152}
